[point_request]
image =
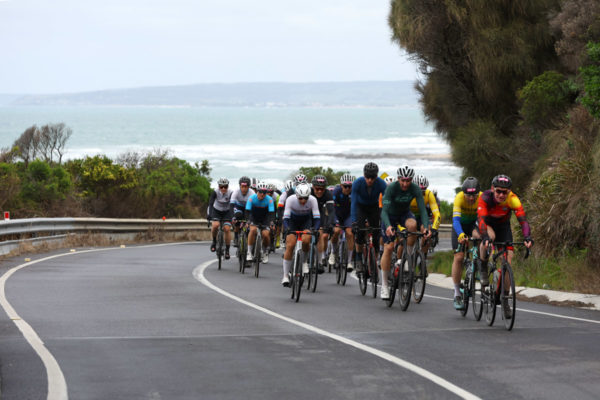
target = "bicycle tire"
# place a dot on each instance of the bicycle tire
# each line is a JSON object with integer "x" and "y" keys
{"x": 511, "y": 297}
{"x": 465, "y": 292}
{"x": 373, "y": 272}
{"x": 362, "y": 278}
{"x": 338, "y": 268}
{"x": 393, "y": 279}
{"x": 220, "y": 246}
{"x": 419, "y": 277}
{"x": 489, "y": 308}
{"x": 241, "y": 251}
{"x": 476, "y": 297}
{"x": 313, "y": 270}
{"x": 257, "y": 256}
{"x": 344, "y": 264}
{"x": 405, "y": 280}
{"x": 297, "y": 278}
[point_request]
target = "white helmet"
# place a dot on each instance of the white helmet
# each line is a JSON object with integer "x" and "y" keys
{"x": 406, "y": 172}
{"x": 422, "y": 181}
{"x": 389, "y": 179}
{"x": 302, "y": 190}
{"x": 347, "y": 179}
{"x": 288, "y": 185}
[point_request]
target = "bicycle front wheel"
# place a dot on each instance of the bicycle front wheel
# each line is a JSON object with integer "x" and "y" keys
{"x": 508, "y": 297}
{"x": 242, "y": 250}
{"x": 419, "y": 277}
{"x": 297, "y": 278}
{"x": 373, "y": 272}
{"x": 257, "y": 255}
{"x": 465, "y": 286}
{"x": 313, "y": 270}
{"x": 220, "y": 247}
{"x": 489, "y": 307}
{"x": 476, "y": 291}
{"x": 343, "y": 266}
{"x": 405, "y": 281}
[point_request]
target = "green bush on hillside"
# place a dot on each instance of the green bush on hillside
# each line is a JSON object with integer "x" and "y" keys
{"x": 545, "y": 99}
{"x": 333, "y": 177}
{"x": 44, "y": 184}
{"x": 590, "y": 75}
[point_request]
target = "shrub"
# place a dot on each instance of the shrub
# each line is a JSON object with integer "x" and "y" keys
{"x": 333, "y": 177}
{"x": 545, "y": 98}
{"x": 590, "y": 75}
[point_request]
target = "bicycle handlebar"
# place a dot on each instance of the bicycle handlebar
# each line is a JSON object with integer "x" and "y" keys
{"x": 505, "y": 245}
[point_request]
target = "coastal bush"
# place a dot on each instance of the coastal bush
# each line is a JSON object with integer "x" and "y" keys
{"x": 545, "y": 99}
{"x": 43, "y": 185}
{"x": 10, "y": 186}
{"x": 590, "y": 75}
{"x": 333, "y": 177}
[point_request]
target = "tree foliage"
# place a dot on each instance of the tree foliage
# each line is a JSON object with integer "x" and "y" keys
{"x": 590, "y": 75}
{"x": 46, "y": 143}
{"x": 333, "y": 177}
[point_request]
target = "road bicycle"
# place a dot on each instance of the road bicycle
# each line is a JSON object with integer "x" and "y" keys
{"x": 220, "y": 246}
{"x": 407, "y": 275}
{"x": 313, "y": 265}
{"x": 242, "y": 248}
{"x": 258, "y": 249}
{"x": 369, "y": 271}
{"x": 470, "y": 287}
{"x": 502, "y": 288}
{"x": 297, "y": 277}
{"x": 341, "y": 259}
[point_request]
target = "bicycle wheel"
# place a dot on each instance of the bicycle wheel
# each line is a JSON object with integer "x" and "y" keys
{"x": 313, "y": 270}
{"x": 419, "y": 277}
{"x": 242, "y": 250}
{"x": 373, "y": 272}
{"x": 476, "y": 291}
{"x": 220, "y": 246}
{"x": 257, "y": 256}
{"x": 489, "y": 308}
{"x": 508, "y": 297}
{"x": 465, "y": 286}
{"x": 343, "y": 266}
{"x": 362, "y": 277}
{"x": 393, "y": 279}
{"x": 405, "y": 280}
{"x": 297, "y": 277}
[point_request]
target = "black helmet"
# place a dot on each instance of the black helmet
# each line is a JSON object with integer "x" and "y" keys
{"x": 371, "y": 170}
{"x": 470, "y": 185}
{"x": 319, "y": 180}
{"x": 245, "y": 179}
{"x": 502, "y": 181}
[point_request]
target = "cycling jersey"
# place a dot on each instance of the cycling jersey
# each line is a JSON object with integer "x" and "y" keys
{"x": 238, "y": 200}
{"x": 489, "y": 212}
{"x": 300, "y": 215}
{"x": 260, "y": 211}
{"x": 464, "y": 213}
{"x": 341, "y": 203}
{"x": 326, "y": 208}
{"x": 432, "y": 207}
{"x": 365, "y": 195}
{"x": 396, "y": 202}
{"x": 281, "y": 202}
{"x": 219, "y": 201}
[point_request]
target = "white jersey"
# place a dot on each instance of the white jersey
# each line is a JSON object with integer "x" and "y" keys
{"x": 239, "y": 200}
{"x": 295, "y": 210}
{"x": 221, "y": 200}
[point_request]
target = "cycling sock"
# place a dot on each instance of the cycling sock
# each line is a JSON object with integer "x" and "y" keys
{"x": 287, "y": 264}
{"x": 384, "y": 277}
{"x": 227, "y": 247}
{"x": 304, "y": 257}
{"x": 319, "y": 255}
{"x": 350, "y": 255}
{"x": 456, "y": 290}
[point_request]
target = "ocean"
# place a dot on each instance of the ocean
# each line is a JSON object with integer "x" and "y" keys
{"x": 267, "y": 143}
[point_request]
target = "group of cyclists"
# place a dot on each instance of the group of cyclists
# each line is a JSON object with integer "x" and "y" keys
{"x": 384, "y": 205}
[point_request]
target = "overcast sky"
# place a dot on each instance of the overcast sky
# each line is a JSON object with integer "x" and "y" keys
{"x": 55, "y": 46}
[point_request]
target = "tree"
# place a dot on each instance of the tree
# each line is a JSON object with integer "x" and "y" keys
{"x": 43, "y": 143}
{"x": 333, "y": 177}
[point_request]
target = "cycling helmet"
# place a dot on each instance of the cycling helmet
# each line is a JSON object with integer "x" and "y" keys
{"x": 245, "y": 180}
{"x": 300, "y": 178}
{"x": 370, "y": 170}
{"x": 389, "y": 179}
{"x": 347, "y": 179}
{"x": 253, "y": 183}
{"x": 223, "y": 182}
{"x": 288, "y": 185}
{"x": 319, "y": 180}
{"x": 422, "y": 181}
{"x": 302, "y": 191}
{"x": 405, "y": 172}
{"x": 502, "y": 181}
{"x": 262, "y": 186}
{"x": 470, "y": 186}
{"x": 272, "y": 187}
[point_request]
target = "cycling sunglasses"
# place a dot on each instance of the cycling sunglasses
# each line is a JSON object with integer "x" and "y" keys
{"x": 262, "y": 191}
{"x": 347, "y": 186}
{"x": 500, "y": 191}
{"x": 223, "y": 186}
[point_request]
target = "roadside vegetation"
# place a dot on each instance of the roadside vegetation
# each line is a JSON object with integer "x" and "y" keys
{"x": 35, "y": 182}
{"x": 514, "y": 87}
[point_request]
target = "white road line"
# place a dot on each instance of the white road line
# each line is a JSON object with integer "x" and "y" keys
{"x": 57, "y": 386}
{"x": 199, "y": 275}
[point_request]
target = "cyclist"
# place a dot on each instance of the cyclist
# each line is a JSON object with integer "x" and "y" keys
{"x": 327, "y": 211}
{"x": 237, "y": 203}
{"x": 364, "y": 206}
{"x": 301, "y": 214}
{"x": 341, "y": 200}
{"x": 396, "y": 211}
{"x": 275, "y": 193}
{"x": 218, "y": 210}
{"x": 432, "y": 210}
{"x": 260, "y": 210}
{"x": 464, "y": 224}
{"x": 493, "y": 214}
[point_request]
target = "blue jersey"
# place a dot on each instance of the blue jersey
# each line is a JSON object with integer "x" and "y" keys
{"x": 259, "y": 209}
{"x": 342, "y": 203}
{"x": 365, "y": 196}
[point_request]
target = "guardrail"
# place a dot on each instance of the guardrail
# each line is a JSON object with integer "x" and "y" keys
{"x": 40, "y": 230}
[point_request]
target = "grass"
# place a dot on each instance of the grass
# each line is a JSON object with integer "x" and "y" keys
{"x": 568, "y": 273}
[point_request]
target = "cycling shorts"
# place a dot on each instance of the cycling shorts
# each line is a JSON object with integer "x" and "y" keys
{"x": 346, "y": 222}
{"x": 395, "y": 220}
{"x": 218, "y": 215}
{"x": 467, "y": 229}
{"x": 372, "y": 214}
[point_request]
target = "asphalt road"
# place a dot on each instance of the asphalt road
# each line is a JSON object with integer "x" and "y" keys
{"x": 160, "y": 322}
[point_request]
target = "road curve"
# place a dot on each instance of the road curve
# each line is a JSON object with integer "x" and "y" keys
{"x": 135, "y": 323}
